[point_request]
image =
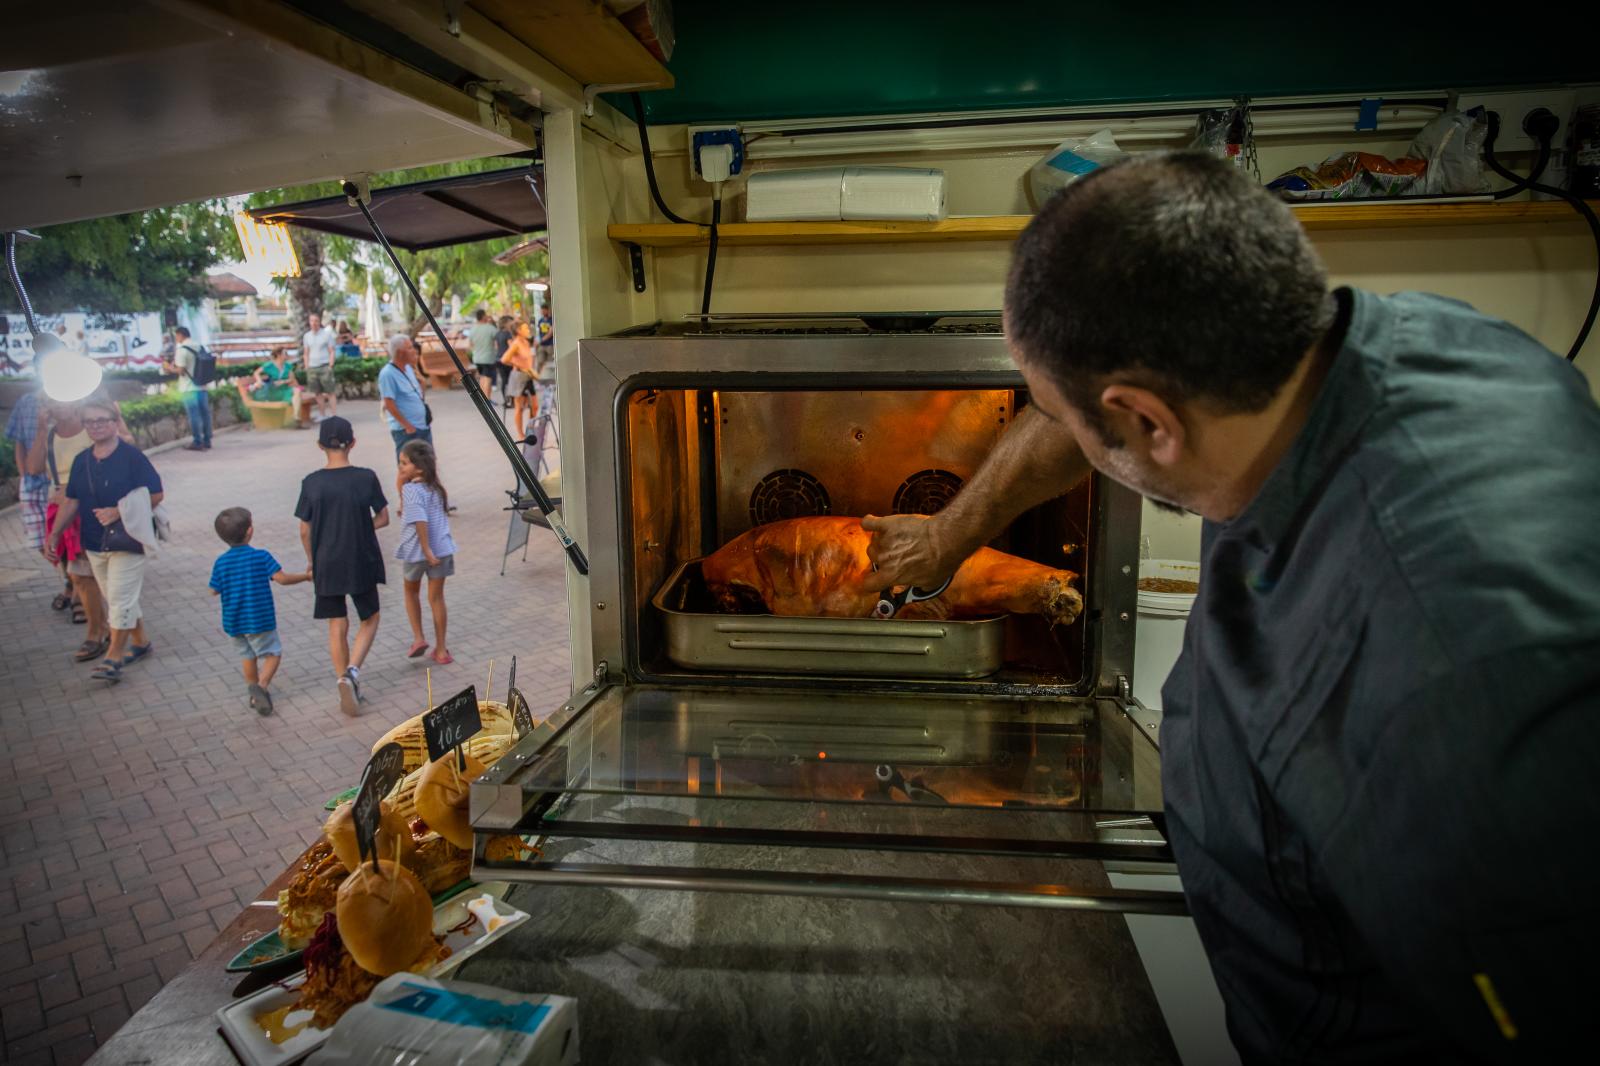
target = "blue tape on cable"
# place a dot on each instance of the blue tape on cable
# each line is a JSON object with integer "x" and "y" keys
{"x": 1367, "y": 119}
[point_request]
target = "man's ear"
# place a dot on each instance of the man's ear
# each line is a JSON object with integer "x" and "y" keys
{"x": 1138, "y": 414}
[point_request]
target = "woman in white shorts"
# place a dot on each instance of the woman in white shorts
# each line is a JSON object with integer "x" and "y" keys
{"x": 102, "y": 474}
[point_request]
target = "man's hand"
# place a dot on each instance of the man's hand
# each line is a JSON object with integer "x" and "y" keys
{"x": 52, "y": 550}
{"x": 106, "y": 515}
{"x": 911, "y": 550}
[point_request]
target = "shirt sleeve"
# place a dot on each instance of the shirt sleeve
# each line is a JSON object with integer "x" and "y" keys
{"x": 216, "y": 577}
{"x": 412, "y": 503}
{"x": 302, "y": 509}
{"x": 144, "y": 472}
{"x": 379, "y": 500}
{"x": 20, "y": 426}
{"x": 386, "y": 388}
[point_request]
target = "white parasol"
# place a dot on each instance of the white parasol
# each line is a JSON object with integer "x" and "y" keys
{"x": 372, "y": 315}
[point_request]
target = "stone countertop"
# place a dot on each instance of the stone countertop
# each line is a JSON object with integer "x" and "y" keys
{"x": 676, "y": 977}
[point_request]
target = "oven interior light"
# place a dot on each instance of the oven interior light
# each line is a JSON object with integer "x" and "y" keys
{"x": 822, "y": 755}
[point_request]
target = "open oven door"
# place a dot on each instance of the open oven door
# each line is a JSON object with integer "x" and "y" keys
{"x": 942, "y": 799}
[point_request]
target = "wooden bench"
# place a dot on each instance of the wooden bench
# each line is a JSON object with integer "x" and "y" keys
{"x": 436, "y": 364}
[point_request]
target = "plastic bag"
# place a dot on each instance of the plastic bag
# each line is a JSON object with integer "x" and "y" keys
{"x": 1069, "y": 161}
{"x": 1452, "y": 146}
{"x": 1351, "y": 175}
{"x": 1223, "y": 133}
{"x": 410, "y": 1018}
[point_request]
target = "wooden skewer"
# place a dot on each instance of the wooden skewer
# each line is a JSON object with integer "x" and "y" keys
{"x": 488, "y": 686}
{"x": 429, "y": 673}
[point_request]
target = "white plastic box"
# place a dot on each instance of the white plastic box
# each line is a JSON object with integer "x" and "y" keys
{"x": 833, "y": 194}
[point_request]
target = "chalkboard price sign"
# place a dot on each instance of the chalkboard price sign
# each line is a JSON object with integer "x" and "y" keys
{"x": 511, "y": 683}
{"x": 521, "y": 715}
{"x": 384, "y": 770}
{"x": 452, "y": 723}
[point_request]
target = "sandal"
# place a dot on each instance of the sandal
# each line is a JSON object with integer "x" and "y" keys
{"x": 61, "y": 602}
{"x": 91, "y": 649}
{"x": 108, "y": 672}
{"x": 79, "y": 615}
{"x": 417, "y": 649}
{"x": 443, "y": 660}
{"x": 136, "y": 653}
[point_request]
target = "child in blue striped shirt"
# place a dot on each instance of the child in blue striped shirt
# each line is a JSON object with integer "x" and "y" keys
{"x": 242, "y": 576}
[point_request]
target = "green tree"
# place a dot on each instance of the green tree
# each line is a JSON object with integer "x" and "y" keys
{"x": 145, "y": 261}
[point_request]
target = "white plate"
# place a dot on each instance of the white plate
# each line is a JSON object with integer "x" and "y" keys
{"x": 249, "y": 1039}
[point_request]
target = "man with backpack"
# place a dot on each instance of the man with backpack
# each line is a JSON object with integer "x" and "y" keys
{"x": 195, "y": 367}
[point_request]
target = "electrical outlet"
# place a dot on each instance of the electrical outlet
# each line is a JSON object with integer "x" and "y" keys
{"x": 700, "y": 136}
{"x": 1513, "y": 107}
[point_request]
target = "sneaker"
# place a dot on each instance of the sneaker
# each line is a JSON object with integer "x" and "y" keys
{"x": 354, "y": 677}
{"x": 348, "y": 703}
{"x": 194, "y": 447}
{"x": 260, "y": 700}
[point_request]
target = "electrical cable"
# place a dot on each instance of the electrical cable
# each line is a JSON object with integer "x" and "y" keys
{"x": 1578, "y": 204}
{"x": 711, "y": 252}
{"x": 649, "y": 165}
{"x": 16, "y": 282}
{"x": 661, "y": 204}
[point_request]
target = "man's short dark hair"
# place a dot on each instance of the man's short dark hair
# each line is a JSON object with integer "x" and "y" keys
{"x": 1173, "y": 270}
{"x": 482, "y": 315}
{"x": 180, "y": 332}
{"x": 233, "y": 524}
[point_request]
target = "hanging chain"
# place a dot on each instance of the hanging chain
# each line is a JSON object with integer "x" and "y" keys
{"x": 1248, "y": 148}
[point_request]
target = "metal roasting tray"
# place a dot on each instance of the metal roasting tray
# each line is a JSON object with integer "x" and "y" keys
{"x": 702, "y": 639}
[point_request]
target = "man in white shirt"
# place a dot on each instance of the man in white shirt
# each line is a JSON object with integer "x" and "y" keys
{"x": 317, "y": 344}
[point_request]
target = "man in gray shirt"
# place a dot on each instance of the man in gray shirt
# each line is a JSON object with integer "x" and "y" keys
{"x": 1379, "y": 743}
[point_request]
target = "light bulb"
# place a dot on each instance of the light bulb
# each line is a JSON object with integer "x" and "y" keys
{"x": 67, "y": 377}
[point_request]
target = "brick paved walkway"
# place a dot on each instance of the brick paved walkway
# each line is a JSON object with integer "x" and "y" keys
{"x": 136, "y": 820}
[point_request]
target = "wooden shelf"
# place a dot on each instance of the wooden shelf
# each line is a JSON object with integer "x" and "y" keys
{"x": 582, "y": 38}
{"x": 1008, "y": 227}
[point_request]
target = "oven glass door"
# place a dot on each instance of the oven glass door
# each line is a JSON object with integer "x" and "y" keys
{"x": 983, "y": 800}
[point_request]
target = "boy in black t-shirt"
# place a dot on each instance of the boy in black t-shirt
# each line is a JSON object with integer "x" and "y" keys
{"x": 341, "y": 509}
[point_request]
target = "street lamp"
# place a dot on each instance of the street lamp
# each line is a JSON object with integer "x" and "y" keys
{"x": 66, "y": 376}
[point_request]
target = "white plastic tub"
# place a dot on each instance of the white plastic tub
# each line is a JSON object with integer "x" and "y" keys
{"x": 1158, "y": 636}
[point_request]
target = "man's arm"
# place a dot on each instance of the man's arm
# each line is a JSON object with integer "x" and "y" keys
{"x": 380, "y": 519}
{"x": 394, "y": 412}
{"x": 1036, "y": 461}
{"x": 283, "y": 577}
{"x": 305, "y": 540}
{"x": 33, "y": 461}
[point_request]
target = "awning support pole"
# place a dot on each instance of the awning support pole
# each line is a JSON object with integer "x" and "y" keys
{"x": 358, "y": 196}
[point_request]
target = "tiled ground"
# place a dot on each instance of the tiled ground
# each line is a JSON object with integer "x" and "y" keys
{"x": 136, "y": 820}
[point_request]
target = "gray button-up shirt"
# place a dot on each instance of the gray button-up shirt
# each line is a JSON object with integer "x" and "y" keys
{"x": 1381, "y": 745}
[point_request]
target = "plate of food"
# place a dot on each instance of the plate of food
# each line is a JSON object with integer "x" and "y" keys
{"x": 385, "y": 918}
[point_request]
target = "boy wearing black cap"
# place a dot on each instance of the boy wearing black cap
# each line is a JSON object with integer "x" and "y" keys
{"x": 341, "y": 509}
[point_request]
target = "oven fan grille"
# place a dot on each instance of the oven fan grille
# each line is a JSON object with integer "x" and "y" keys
{"x": 788, "y": 494}
{"x": 926, "y": 492}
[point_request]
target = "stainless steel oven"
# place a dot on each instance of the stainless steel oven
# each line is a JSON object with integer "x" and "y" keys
{"x": 847, "y": 757}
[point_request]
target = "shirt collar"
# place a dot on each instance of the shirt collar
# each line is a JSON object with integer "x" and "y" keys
{"x": 1350, "y": 393}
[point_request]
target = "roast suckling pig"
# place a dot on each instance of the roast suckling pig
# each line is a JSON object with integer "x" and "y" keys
{"x": 818, "y": 567}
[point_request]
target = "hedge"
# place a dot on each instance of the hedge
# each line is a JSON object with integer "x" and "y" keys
{"x": 149, "y": 409}
{"x": 345, "y": 371}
